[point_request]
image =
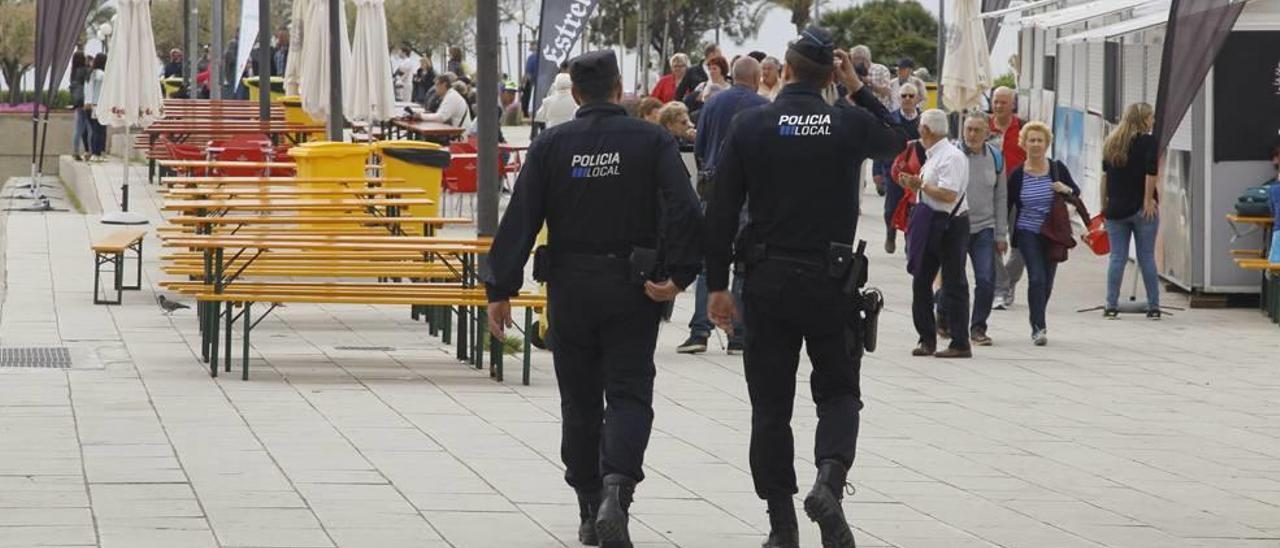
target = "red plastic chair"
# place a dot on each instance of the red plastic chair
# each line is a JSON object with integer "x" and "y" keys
{"x": 460, "y": 178}
{"x": 240, "y": 154}
{"x": 178, "y": 151}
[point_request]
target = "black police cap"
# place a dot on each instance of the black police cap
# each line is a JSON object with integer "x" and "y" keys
{"x": 815, "y": 44}
{"x": 906, "y": 62}
{"x": 594, "y": 67}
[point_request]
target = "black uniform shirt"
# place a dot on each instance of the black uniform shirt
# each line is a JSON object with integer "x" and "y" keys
{"x": 800, "y": 160}
{"x": 599, "y": 182}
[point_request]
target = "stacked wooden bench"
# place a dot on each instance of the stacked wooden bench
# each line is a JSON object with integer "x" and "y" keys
{"x": 237, "y": 249}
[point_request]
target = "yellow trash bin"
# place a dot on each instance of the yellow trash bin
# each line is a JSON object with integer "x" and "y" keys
{"x": 421, "y": 165}
{"x": 277, "y": 87}
{"x": 293, "y": 114}
{"x": 330, "y": 159}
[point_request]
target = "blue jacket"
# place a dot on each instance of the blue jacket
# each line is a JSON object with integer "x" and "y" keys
{"x": 713, "y": 123}
{"x": 1275, "y": 203}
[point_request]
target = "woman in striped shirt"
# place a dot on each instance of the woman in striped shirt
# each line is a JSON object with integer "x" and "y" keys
{"x": 1031, "y": 190}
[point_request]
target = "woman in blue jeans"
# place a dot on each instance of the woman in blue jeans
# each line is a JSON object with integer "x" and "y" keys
{"x": 1130, "y": 204}
{"x": 1031, "y": 190}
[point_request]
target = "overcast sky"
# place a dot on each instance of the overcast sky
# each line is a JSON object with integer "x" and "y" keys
{"x": 774, "y": 35}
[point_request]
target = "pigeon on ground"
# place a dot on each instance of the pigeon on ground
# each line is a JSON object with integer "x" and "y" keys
{"x": 169, "y": 306}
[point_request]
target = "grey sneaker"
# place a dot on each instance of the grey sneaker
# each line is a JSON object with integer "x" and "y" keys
{"x": 1041, "y": 337}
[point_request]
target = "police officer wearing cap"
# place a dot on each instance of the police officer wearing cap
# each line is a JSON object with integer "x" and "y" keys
{"x": 623, "y": 232}
{"x": 796, "y": 162}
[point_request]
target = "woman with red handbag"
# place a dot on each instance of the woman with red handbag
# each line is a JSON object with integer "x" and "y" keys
{"x": 1130, "y": 204}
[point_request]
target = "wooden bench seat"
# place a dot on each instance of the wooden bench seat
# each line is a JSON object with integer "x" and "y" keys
{"x": 417, "y": 295}
{"x": 111, "y": 249}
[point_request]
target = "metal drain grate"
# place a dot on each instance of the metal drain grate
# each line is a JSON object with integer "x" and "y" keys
{"x": 367, "y": 348}
{"x": 38, "y": 357}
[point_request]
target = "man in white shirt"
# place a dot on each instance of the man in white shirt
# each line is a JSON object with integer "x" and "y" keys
{"x": 453, "y": 107}
{"x": 941, "y": 185}
{"x": 771, "y": 78}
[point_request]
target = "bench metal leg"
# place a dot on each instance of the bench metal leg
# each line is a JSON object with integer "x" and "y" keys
{"x": 495, "y": 358}
{"x": 248, "y": 326}
{"x": 214, "y": 316}
{"x": 137, "y": 251}
{"x": 446, "y": 324}
{"x": 528, "y": 333}
{"x": 227, "y": 349}
{"x": 462, "y": 333}
{"x": 117, "y": 262}
{"x": 482, "y": 333}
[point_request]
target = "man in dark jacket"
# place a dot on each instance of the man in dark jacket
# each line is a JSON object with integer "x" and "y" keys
{"x": 713, "y": 127}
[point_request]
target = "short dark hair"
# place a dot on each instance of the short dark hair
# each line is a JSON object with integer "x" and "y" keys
{"x": 443, "y": 79}
{"x": 596, "y": 90}
{"x": 805, "y": 70}
{"x": 710, "y": 48}
{"x": 758, "y": 55}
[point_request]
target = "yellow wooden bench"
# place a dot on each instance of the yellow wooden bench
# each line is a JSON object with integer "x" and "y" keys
{"x": 110, "y": 249}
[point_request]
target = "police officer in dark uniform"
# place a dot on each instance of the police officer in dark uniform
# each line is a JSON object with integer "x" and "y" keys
{"x": 624, "y": 238}
{"x": 796, "y": 163}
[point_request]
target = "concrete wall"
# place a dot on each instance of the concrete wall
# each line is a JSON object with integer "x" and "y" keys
{"x": 15, "y": 142}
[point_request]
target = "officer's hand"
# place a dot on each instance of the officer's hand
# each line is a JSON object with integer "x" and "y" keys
{"x": 1002, "y": 247}
{"x": 661, "y": 292}
{"x": 722, "y": 311}
{"x": 499, "y": 318}
{"x": 844, "y": 72}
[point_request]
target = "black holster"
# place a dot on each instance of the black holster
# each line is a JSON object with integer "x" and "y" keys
{"x": 849, "y": 266}
{"x": 541, "y": 264}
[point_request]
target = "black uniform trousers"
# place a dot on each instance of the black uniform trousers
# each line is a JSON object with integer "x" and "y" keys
{"x": 605, "y": 331}
{"x": 787, "y": 303}
{"x": 947, "y": 253}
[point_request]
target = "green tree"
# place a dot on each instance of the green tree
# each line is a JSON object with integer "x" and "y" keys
{"x": 891, "y": 28}
{"x": 430, "y": 25}
{"x": 683, "y": 21}
{"x": 17, "y": 43}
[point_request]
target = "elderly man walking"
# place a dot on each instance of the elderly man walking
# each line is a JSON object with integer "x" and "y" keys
{"x": 939, "y": 231}
{"x": 1005, "y": 127}
{"x": 717, "y": 114}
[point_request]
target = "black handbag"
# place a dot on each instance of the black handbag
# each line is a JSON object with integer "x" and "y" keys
{"x": 1255, "y": 202}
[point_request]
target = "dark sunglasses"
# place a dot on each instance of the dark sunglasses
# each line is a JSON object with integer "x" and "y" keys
{"x": 908, "y": 96}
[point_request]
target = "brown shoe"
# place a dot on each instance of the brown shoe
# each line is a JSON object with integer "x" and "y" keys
{"x": 979, "y": 337}
{"x": 955, "y": 353}
{"x": 923, "y": 350}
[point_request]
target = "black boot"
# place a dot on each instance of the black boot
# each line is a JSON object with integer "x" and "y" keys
{"x": 611, "y": 521}
{"x": 588, "y": 506}
{"x": 783, "y": 530}
{"x": 823, "y": 505}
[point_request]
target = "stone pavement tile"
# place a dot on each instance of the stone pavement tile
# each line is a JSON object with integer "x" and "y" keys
{"x": 522, "y": 481}
{"x": 267, "y": 527}
{"x": 125, "y": 502}
{"x": 461, "y": 502}
{"x": 157, "y": 533}
{"x": 387, "y": 538}
{"x": 27, "y": 536}
{"x": 487, "y": 529}
{"x": 31, "y": 517}
{"x": 42, "y": 491}
{"x": 428, "y": 472}
{"x": 1135, "y": 536}
{"x": 561, "y": 521}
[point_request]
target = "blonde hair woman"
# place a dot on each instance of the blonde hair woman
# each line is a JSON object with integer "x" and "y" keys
{"x": 1130, "y": 205}
{"x": 1031, "y": 190}
{"x": 675, "y": 117}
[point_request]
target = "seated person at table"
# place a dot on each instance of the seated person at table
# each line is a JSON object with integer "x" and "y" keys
{"x": 453, "y": 110}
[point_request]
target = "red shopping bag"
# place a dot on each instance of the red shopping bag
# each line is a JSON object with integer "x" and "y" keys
{"x": 1097, "y": 238}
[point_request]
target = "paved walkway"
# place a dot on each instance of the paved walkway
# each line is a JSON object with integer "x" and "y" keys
{"x": 1127, "y": 434}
